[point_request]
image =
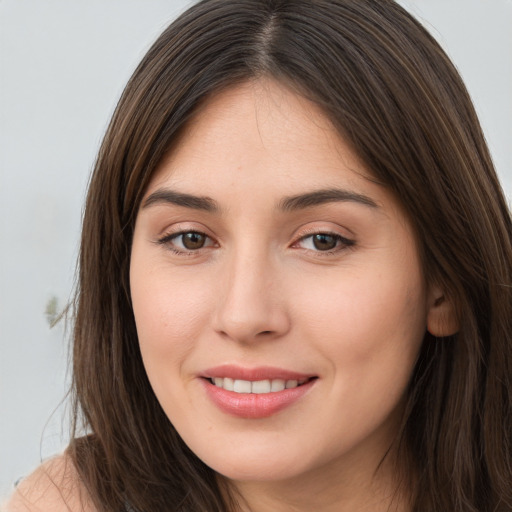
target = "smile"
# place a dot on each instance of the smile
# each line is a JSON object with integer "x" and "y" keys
{"x": 255, "y": 393}
{"x": 256, "y": 387}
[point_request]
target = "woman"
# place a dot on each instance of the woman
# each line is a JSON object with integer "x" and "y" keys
{"x": 295, "y": 277}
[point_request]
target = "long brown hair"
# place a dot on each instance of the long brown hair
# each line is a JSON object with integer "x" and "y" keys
{"x": 397, "y": 99}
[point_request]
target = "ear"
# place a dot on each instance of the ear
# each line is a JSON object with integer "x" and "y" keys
{"x": 442, "y": 315}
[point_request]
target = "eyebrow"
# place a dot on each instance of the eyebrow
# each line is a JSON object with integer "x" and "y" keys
{"x": 287, "y": 204}
{"x": 167, "y": 196}
{"x": 319, "y": 197}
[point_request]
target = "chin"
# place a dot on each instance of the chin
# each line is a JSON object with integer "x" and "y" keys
{"x": 258, "y": 464}
{"x": 270, "y": 471}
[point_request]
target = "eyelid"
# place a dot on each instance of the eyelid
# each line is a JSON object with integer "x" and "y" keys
{"x": 175, "y": 231}
{"x": 345, "y": 242}
{"x": 179, "y": 227}
{"x": 171, "y": 236}
{"x": 165, "y": 239}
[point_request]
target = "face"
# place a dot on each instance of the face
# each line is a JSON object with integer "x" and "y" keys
{"x": 277, "y": 291}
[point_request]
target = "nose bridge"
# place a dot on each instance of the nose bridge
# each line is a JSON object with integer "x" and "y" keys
{"x": 251, "y": 303}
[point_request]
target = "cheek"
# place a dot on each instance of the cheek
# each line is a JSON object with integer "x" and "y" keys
{"x": 370, "y": 331}
{"x": 370, "y": 326}
{"x": 170, "y": 314}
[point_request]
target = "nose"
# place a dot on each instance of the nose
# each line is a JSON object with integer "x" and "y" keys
{"x": 252, "y": 302}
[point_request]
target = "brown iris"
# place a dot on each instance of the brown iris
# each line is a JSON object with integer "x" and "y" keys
{"x": 193, "y": 240}
{"x": 324, "y": 242}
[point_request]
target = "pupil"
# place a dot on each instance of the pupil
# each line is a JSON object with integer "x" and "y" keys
{"x": 324, "y": 242}
{"x": 193, "y": 240}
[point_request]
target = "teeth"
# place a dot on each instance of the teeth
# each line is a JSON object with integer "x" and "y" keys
{"x": 257, "y": 387}
{"x": 261, "y": 386}
{"x": 229, "y": 384}
{"x": 278, "y": 385}
{"x": 242, "y": 386}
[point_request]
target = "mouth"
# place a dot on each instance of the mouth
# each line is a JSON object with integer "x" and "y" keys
{"x": 258, "y": 387}
{"x": 255, "y": 393}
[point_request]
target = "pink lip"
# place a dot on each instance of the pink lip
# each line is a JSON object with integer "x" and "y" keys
{"x": 259, "y": 373}
{"x": 250, "y": 405}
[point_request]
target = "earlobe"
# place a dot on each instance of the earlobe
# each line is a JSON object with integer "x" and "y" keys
{"x": 442, "y": 317}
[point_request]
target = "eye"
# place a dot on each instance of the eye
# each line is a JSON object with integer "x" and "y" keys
{"x": 324, "y": 242}
{"x": 186, "y": 241}
{"x": 192, "y": 240}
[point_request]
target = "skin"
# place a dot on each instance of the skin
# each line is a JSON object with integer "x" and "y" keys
{"x": 259, "y": 292}
{"x": 54, "y": 486}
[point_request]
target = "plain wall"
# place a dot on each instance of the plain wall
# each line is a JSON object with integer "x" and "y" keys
{"x": 63, "y": 65}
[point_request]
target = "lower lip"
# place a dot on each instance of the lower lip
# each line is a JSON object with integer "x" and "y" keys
{"x": 252, "y": 405}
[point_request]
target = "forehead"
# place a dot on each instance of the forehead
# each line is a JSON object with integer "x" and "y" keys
{"x": 259, "y": 130}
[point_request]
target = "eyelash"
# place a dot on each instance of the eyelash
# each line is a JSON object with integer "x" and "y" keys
{"x": 342, "y": 243}
{"x": 167, "y": 239}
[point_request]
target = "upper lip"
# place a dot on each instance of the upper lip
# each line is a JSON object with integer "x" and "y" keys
{"x": 253, "y": 374}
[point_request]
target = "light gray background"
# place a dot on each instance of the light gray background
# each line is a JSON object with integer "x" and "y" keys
{"x": 63, "y": 65}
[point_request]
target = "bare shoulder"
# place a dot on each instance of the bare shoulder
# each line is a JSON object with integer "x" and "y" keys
{"x": 53, "y": 487}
